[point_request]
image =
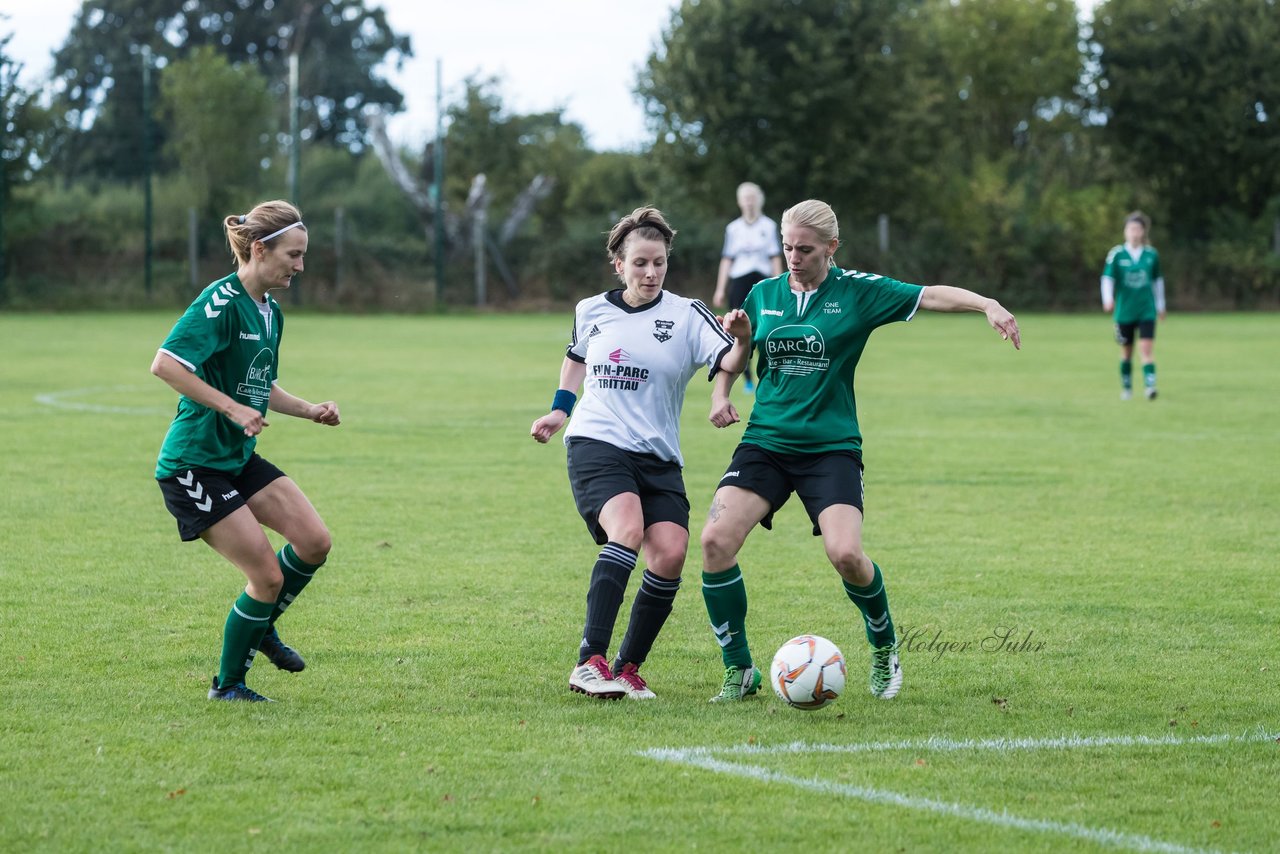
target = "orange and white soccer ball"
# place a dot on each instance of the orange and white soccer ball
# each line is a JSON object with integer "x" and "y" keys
{"x": 807, "y": 672}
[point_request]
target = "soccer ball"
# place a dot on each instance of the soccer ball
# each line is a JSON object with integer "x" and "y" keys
{"x": 807, "y": 672}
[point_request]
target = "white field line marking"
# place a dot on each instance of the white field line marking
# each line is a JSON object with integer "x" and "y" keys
{"x": 1099, "y": 835}
{"x": 706, "y": 758}
{"x": 61, "y": 400}
{"x": 1000, "y": 745}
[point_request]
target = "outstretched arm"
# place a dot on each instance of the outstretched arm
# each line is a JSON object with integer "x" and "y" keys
{"x": 947, "y": 298}
{"x": 571, "y": 376}
{"x": 290, "y": 404}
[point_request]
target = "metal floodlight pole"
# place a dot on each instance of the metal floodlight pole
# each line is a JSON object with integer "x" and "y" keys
{"x": 4, "y": 174}
{"x": 294, "y": 131}
{"x": 437, "y": 187}
{"x": 146, "y": 168}
{"x": 295, "y": 144}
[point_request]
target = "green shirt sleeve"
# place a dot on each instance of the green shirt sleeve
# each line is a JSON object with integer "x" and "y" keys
{"x": 196, "y": 337}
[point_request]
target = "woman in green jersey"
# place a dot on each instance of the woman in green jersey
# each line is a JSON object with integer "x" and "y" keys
{"x": 1133, "y": 290}
{"x": 222, "y": 358}
{"x": 810, "y": 326}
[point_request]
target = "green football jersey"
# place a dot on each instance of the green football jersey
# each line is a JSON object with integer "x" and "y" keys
{"x": 808, "y": 346}
{"x": 1135, "y": 283}
{"x": 232, "y": 343}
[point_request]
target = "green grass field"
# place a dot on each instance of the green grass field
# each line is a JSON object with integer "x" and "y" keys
{"x": 1008, "y": 493}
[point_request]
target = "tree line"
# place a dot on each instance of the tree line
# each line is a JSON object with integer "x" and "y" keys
{"x": 1004, "y": 140}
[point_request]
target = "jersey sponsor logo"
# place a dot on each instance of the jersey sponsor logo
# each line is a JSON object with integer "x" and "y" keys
{"x": 621, "y": 377}
{"x": 1136, "y": 278}
{"x": 831, "y": 308}
{"x": 798, "y": 350}
{"x": 250, "y": 336}
{"x": 771, "y": 312}
{"x": 619, "y": 356}
{"x": 257, "y": 380}
{"x": 662, "y": 330}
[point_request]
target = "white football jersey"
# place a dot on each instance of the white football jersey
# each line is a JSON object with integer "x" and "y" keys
{"x": 639, "y": 361}
{"x": 751, "y": 246}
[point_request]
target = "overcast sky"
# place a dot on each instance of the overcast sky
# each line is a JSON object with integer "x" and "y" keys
{"x": 581, "y": 55}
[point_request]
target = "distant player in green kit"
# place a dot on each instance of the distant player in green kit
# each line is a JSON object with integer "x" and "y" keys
{"x": 809, "y": 327}
{"x": 222, "y": 357}
{"x": 1133, "y": 286}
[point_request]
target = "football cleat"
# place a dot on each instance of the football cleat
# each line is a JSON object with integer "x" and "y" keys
{"x": 279, "y": 653}
{"x": 1150, "y": 392}
{"x": 1126, "y": 394}
{"x": 630, "y": 679}
{"x": 739, "y": 682}
{"x": 236, "y": 691}
{"x": 886, "y": 672}
{"x": 594, "y": 679}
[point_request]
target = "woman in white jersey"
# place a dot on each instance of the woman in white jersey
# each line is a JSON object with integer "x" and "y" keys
{"x": 222, "y": 358}
{"x": 635, "y": 347}
{"x": 751, "y": 252}
{"x": 810, "y": 327}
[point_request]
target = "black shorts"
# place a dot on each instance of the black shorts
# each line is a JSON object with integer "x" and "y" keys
{"x": 1145, "y": 328}
{"x": 821, "y": 480}
{"x": 740, "y": 286}
{"x": 199, "y": 497}
{"x": 598, "y": 471}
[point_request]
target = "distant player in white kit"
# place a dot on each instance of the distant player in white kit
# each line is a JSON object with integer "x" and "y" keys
{"x": 636, "y": 348}
{"x": 751, "y": 252}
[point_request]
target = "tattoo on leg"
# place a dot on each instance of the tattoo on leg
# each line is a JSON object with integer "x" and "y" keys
{"x": 713, "y": 515}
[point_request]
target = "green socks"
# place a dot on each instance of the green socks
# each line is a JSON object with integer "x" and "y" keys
{"x": 297, "y": 573}
{"x": 726, "y": 598}
{"x": 246, "y": 624}
{"x": 1126, "y": 374}
{"x": 874, "y": 605}
{"x": 1149, "y": 375}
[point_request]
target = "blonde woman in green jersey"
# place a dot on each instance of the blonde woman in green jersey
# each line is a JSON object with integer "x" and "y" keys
{"x": 1133, "y": 290}
{"x": 222, "y": 358}
{"x": 809, "y": 327}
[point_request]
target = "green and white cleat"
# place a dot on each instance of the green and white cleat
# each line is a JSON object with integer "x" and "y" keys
{"x": 886, "y": 672}
{"x": 739, "y": 683}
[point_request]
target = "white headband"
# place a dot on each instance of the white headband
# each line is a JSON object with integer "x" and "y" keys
{"x": 280, "y": 232}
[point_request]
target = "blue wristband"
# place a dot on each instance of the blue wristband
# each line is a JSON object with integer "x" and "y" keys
{"x": 564, "y": 400}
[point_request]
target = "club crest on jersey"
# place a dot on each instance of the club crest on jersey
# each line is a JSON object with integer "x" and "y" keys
{"x": 662, "y": 330}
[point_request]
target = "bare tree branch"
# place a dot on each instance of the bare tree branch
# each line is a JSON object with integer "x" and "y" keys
{"x": 400, "y": 176}
{"x": 521, "y": 209}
